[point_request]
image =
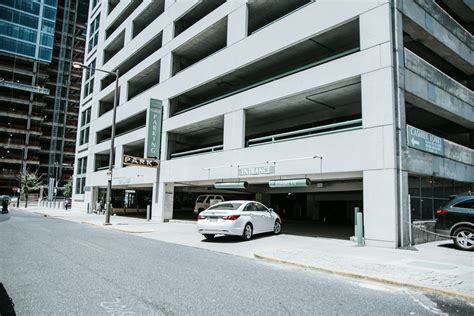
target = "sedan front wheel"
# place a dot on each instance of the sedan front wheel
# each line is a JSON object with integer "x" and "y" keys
{"x": 277, "y": 227}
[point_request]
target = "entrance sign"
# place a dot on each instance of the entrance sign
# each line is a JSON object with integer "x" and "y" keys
{"x": 142, "y": 162}
{"x": 153, "y": 139}
{"x": 289, "y": 183}
{"x": 256, "y": 170}
{"x": 424, "y": 141}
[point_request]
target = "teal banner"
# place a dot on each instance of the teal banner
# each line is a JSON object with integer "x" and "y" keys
{"x": 153, "y": 140}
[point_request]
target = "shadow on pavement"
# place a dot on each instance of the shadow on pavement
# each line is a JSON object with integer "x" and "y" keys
{"x": 6, "y": 303}
{"x": 233, "y": 239}
{"x": 449, "y": 245}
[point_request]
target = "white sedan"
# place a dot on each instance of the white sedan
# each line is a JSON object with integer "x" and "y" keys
{"x": 238, "y": 218}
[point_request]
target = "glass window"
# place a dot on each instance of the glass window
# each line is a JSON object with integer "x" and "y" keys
{"x": 250, "y": 208}
{"x": 427, "y": 210}
{"x": 89, "y": 79}
{"x": 49, "y": 13}
{"x": 46, "y": 40}
{"x": 260, "y": 207}
{"x": 45, "y": 53}
{"x": 94, "y": 33}
{"x": 415, "y": 205}
{"x": 47, "y": 26}
{"x": 466, "y": 204}
{"x": 226, "y": 206}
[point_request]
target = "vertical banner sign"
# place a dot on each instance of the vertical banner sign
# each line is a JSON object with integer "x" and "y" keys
{"x": 153, "y": 141}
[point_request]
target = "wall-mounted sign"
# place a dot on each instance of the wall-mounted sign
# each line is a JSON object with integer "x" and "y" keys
{"x": 289, "y": 183}
{"x": 153, "y": 140}
{"x": 424, "y": 141}
{"x": 256, "y": 170}
{"x": 143, "y": 162}
{"x": 231, "y": 185}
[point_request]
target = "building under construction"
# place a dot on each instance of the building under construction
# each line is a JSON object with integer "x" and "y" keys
{"x": 39, "y": 92}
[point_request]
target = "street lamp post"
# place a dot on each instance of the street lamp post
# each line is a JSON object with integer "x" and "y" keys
{"x": 112, "y": 138}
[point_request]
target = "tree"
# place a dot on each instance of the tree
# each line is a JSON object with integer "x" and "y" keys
{"x": 67, "y": 190}
{"x": 30, "y": 181}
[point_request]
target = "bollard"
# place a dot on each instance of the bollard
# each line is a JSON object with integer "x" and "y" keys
{"x": 359, "y": 230}
{"x": 148, "y": 212}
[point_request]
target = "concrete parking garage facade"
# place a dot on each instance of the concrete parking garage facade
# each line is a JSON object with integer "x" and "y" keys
{"x": 261, "y": 91}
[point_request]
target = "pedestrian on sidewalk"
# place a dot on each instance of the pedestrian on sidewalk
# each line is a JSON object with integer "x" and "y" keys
{"x": 98, "y": 207}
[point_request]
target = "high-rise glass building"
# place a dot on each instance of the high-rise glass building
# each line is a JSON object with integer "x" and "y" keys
{"x": 39, "y": 91}
{"x": 27, "y": 28}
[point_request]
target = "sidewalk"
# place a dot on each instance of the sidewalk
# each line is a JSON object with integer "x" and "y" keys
{"x": 435, "y": 267}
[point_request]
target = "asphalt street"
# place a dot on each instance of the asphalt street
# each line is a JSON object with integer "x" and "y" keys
{"x": 51, "y": 266}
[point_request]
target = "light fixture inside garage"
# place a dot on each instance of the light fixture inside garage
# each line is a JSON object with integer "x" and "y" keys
{"x": 231, "y": 185}
{"x": 289, "y": 183}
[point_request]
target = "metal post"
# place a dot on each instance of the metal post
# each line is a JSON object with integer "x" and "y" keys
{"x": 111, "y": 154}
{"x": 55, "y": 180}
{"x": 360, "y": 234}
{"x": 148, "y": 212}
{"x": 21, "y": 174}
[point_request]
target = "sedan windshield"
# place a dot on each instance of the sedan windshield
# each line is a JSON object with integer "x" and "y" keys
{"x": 225, "y": 206}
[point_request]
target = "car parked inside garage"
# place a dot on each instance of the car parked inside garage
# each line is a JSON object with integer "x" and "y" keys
{"x": 456, "y": 219}
{"x": 238, "y": 218}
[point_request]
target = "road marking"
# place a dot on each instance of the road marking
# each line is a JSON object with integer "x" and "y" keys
{"x": 425, "y": 302}
{"x": 375, "y": 287}
{"x": 116, "y": 309}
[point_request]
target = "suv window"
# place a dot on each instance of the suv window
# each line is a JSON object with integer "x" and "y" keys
{"x": 466, "y": 204}
{"x": 201, "y": 198}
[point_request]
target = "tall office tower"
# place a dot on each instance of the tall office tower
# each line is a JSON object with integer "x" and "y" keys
{"x": 38, "y": 91}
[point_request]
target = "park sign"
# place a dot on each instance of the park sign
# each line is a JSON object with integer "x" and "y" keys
{"x": 424, "y": 141}
{"x": 142, "y": 162}
{"x": 153, "y": 139}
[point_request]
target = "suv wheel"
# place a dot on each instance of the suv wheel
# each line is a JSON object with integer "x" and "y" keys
{"x": 464, "y": 238}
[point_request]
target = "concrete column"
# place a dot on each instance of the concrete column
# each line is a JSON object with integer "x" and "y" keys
{"x": 377, "y": 98}
{"x": 165, "y": 67}
{"x": 380, "y": 207}
{"x": 312, "y": 206}
{"x": 162, "y": 206}
{"x": 237, "y": 24}
{"x": 234, "y": 130}
{"x": 168, "y": 34}
{"x": 168, "y": 3}
{"x": 375, "y": 27}
{"x": 118, "y": 156}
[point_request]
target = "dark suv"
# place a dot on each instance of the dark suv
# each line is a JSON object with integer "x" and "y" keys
{"x": 456, "y": 219}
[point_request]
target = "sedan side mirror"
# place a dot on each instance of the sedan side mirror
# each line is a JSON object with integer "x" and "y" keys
{"x": 270, "y": 210}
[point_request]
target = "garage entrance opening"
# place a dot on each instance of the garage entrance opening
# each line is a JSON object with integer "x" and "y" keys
{"x": 184, "y": 199}
{"x": 328, "y": 215}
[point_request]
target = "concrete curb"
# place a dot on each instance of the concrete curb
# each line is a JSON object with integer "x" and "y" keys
{"x": 118, "y": 229}
{"x": 456, "y": 294}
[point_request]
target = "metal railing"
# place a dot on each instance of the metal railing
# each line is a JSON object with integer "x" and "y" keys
{"x": 198, "y": 151}
{"x": 307, "y": 132}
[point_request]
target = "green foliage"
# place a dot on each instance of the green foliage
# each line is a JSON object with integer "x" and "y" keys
{"x": 67, "y": 191}
{"x": 30, "y": 181}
